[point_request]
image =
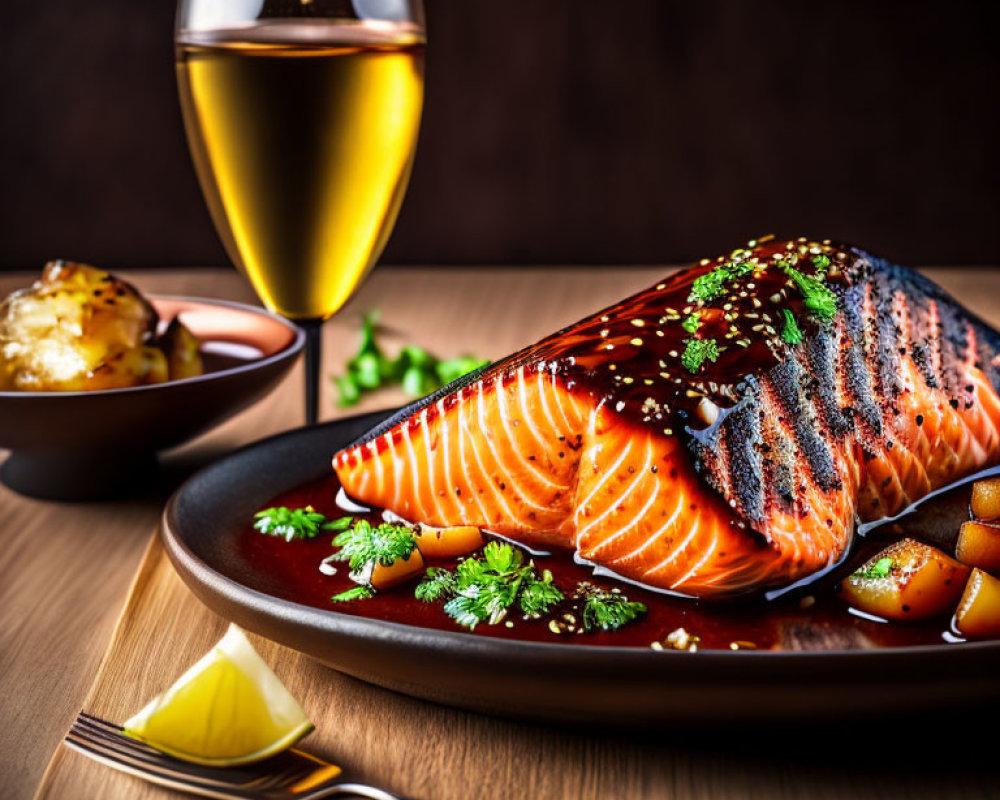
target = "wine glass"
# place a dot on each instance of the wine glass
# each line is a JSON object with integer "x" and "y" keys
{"x": 302, "y": 120}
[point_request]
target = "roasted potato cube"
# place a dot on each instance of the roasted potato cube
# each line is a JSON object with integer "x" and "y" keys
{"x": 986, "y": 499}
{"x": 979, "y": 545}
{"x": 449, "y": 542}
{"x": 71, "y": 330}
{"x": 382, "y": 576}
{"x": 906, "y": 581}
{"x": 978, "y": 614}
{"x": 181, "y": 347}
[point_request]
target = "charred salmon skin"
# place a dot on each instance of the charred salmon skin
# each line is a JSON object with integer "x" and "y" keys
{"x": 720, "y": 432}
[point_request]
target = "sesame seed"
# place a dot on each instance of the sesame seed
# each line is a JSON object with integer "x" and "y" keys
{"x": 707, "y": 411}
{"x": 638, "y": 323}
{"x": 636, "y": 341}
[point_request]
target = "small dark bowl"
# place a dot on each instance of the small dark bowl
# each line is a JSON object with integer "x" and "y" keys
{"x": 101, "y": 444}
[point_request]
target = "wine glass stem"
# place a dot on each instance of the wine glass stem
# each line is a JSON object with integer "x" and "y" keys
{"x": 313, "y": 329}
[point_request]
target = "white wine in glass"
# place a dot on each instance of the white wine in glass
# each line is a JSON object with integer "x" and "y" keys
{"x": 302, "y": 118}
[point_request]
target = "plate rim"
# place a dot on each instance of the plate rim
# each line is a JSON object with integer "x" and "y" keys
{"x": 187, "y": 563}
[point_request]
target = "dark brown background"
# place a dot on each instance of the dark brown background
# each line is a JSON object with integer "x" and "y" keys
{"x": 560, "y": 131}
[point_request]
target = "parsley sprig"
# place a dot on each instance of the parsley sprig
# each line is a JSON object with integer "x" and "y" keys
{"x": 363, "y": 544}
{"x": 484, "y": 588}
{"x": 790, "y": 333}
{"x": 697, "y": 350}
{"x": 816, "y": 295}
{"x": 712, "y": 284}
{"x": 295, "y": 523}
{"x": 819, "y": 300}
{"x": 692, "y": 322}
{"x": 604, "y": 610}
{"x": 414, "y": 368}
{"x": 438, "y": 584}
{"x": 880, "y": 569}
{"x": 354, "y": 593}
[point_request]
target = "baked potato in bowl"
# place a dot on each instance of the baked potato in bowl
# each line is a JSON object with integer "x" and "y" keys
{"x": 97, "y": 378}
{"x": 79, "y": 328}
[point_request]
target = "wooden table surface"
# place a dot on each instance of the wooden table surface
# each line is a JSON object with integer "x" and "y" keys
{"x": 65, "y": 570}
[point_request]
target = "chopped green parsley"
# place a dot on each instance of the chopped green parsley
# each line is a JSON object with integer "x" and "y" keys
{"x": 415, "y": 369}
{"x": 355, "y": 593}
{"x": 295, "y": 523}
{"x": 791, "y": 333}
{"x": 880, "y": 569}
{"x": 484, "y": 588}
{"x": 696, "y": 351}
{"x": 711, "y": 285}
{"x": 816, "y": 295}
{"x": 692, "y": 322}
{"x": 364, "y": 544}
{"x": 607, "y": 611}
{"x": 821, "y": 262}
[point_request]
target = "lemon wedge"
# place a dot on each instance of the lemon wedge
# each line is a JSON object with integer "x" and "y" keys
{"x": 228, "y": 709}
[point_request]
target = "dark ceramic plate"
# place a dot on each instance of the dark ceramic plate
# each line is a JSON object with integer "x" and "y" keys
{"x": 613, "y": 685}
{"x": 89, "y": 445}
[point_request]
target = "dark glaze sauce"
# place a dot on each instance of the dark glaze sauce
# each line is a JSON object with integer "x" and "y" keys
{"x": 631, "y": 355}
{"x": 810, "y": 618}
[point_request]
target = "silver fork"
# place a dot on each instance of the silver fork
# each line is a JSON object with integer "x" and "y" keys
{"x": 292, "y": 774}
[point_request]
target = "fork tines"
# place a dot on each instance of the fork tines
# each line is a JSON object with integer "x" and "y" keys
{"x": 106, "y": 743}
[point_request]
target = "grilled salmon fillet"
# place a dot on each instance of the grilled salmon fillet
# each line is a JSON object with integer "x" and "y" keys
{"x": 723, "y": 431}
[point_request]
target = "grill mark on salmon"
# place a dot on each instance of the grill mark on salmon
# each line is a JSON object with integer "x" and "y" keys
{"x": 591, "y": 439}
